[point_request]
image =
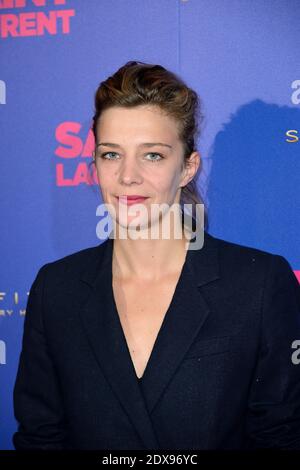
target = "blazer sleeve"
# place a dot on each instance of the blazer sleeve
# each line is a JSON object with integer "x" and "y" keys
{"x": 37, "y": 400}
{"x": 273, "y": 416}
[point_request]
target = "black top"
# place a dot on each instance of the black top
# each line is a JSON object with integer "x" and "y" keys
{"x": 243, "y": 316}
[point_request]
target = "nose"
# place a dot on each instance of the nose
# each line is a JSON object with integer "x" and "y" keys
{"x": 130, "y": 171}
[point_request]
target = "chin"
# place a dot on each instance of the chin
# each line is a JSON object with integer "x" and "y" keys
{"x": 132, "y": 227}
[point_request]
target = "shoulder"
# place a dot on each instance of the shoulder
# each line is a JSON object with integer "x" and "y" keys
{"x": 236, "y": 258}
{"x": 232, "y": 249}
{"x": 72, "y": 266}
{"x": 258, "y": 280}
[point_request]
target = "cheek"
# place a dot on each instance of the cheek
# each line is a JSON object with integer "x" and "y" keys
{"x": 169, "y": 184}
{"x": 105, "y": 176}
{"x": 166, "y": 190}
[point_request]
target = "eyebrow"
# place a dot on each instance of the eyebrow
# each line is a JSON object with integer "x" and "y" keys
{"x": 145, "y": 144}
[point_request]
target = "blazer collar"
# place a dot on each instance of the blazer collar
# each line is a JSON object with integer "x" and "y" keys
{"x": 203, "y": 263}
{"x": 183, "y": 320}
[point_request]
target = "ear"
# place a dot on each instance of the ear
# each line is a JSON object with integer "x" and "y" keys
{"x": 190, "y": 168}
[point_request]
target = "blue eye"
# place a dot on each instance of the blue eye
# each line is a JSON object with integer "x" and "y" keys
{"x": 157, "y": 160}
{"x": 103, "y": 155}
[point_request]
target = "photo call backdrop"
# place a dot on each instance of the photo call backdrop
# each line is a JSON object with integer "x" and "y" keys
{"x": 243, "y": 59}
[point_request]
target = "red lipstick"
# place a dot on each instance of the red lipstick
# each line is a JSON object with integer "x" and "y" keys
{"x": 132, "y": 199}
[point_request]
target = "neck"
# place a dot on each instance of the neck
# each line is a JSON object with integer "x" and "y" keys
{"x": 148, "y": 259}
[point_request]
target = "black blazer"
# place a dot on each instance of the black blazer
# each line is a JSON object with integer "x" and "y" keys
{"x": 220, "y": 375}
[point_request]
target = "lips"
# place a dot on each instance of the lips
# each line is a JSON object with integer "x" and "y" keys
{"x": 133, "y": 199}
{"x": 135, "y": 196}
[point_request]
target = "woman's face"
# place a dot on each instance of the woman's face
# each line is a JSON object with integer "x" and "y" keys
{"x": 133, "y": 160}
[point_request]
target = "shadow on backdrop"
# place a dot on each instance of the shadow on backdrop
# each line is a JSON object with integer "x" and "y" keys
{"x": 254, "y": 182}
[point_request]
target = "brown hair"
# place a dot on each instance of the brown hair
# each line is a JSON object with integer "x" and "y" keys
{"x": 137, "y": 83}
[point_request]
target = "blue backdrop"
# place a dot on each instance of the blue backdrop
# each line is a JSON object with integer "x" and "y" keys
{"x": 241, "y": 56}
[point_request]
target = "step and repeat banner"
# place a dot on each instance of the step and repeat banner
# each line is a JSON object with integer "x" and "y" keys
{"x": 242, "y": 58}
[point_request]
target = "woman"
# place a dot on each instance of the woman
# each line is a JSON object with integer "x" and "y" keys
{"x": 207, "y": 332}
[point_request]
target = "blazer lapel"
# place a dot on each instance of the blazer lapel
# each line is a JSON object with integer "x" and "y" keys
{"x": 104, "y": 330}
{"x": 185, "y": 316}
{"x": 183, "y": 320}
